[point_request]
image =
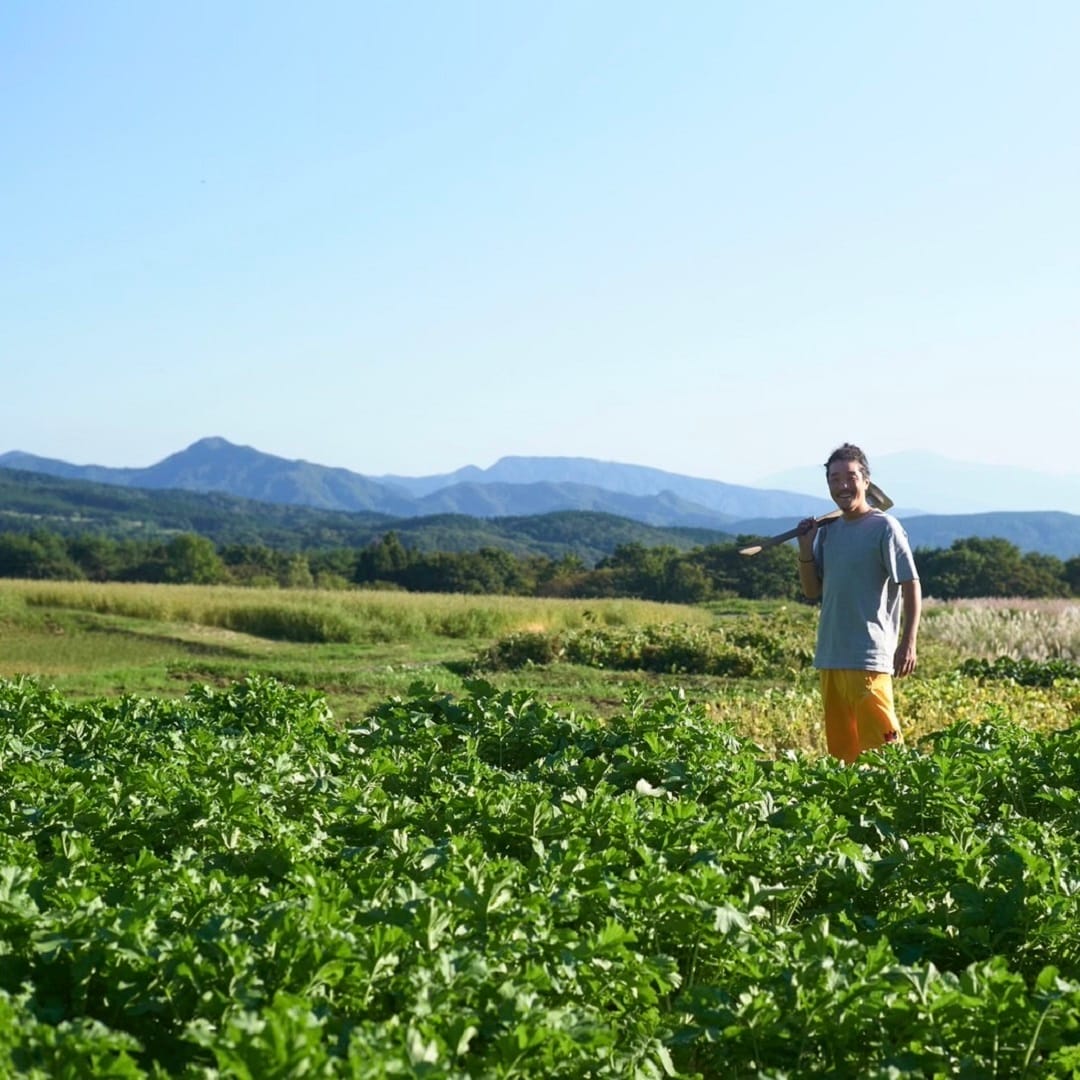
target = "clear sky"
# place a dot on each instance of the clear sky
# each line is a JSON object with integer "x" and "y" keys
{"x": 401, "y": 237}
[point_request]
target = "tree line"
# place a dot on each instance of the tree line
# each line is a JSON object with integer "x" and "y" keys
{"x": 974, "y": 567}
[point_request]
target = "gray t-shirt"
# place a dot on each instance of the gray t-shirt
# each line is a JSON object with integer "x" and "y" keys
{"x": 862, "y": 564}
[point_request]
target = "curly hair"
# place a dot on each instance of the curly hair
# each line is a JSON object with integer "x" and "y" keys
{"x": 849, "y": 452}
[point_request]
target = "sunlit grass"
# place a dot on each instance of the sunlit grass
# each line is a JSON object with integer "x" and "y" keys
{"x": 351, "y": 616}
{"x": 1020, "y": 629}
{"x": 357, "y": 647}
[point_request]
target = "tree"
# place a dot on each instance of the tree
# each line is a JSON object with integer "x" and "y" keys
{"x": 383, "y": 560}
{"x": 1043, "y": 575}
{"x": 980, "y": 566}
{"x": 640, "y": 570}
{"x": 686, "y": 582}
{"x": 1072, "y": 574}
{"x": 296, "y": 573}
{"x": 772, "y": 573}
{"x": 97, "y": 556}
{"x": 193, "y": 560}
{"x": 36, "y": 555}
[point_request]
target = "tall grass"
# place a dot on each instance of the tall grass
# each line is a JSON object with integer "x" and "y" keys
{"x": 1020, "y": 629}
{"x": 353, "y": 617}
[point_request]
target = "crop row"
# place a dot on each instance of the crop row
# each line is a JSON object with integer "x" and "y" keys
{"x": 234, "y": 885}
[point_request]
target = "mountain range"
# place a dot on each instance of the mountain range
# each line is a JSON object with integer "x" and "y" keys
{"x": 513, "y": 486}
{"x": 214, "y": 471}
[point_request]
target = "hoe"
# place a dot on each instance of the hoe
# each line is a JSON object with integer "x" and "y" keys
{"x": 874, "y": 496}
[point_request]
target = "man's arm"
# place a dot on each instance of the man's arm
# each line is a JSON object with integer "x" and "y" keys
{"x": 911, "y": 599}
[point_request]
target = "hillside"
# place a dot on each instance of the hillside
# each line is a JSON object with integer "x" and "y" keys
{"x": 469, "y": 510}
{"x": 513, "y": 487}
{"x": 30, "y": 501}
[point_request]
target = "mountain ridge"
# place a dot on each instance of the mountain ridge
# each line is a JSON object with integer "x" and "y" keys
{"x": 215, "y": 464}
{"x": 31, "y": 500}
{"x": 519, "y": 488}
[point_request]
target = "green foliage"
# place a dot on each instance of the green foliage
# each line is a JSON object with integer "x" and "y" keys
{"x": 523, "y": 648}
{"x": 76, "y": 508}
{"x": 672, "y": 649}
{"x": 36, "y": 555}
{"x": 989, "y": 567}
{"x": 539, "y": 556}
{"x": 234, "y": 884}
{"x": 71, "y": 529}
{"x": 747, "y": 648}
{"x": 193, "y": 560}
{"x": 1025, "y": 672}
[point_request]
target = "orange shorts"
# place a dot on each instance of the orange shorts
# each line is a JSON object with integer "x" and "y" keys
{"x": 859, "y": 712}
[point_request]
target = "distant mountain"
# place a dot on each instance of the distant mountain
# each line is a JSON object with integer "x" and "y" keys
{"x": 520, "y": 488}
{"x": 494, "y": 500}
{"x": 641, "y": 481}
{"x": 588, "y": 535}
{"x": 511, "y": 487}
{"x": 1050, "y": 532}
{"x": 218, "y": 465}
{"x": 32, "y": 501}
{"x": 932, "y": 484}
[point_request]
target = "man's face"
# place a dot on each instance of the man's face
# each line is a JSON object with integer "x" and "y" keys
{"x": 847, "y": 486}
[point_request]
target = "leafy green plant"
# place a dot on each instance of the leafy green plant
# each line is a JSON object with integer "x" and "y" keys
{"x": 745, "y": 649}
{"x": 237, "y": 883}
{"x": 1023, "y": 671}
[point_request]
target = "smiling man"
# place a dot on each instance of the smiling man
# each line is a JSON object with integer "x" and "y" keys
{"x": 862, "y": 568}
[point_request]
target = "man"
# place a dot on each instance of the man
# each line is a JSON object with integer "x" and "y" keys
{"x": 861, "y": 567}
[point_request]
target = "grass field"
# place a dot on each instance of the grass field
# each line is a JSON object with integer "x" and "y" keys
{"x": 529, "y": 840}
{"x": 360, "y": 648}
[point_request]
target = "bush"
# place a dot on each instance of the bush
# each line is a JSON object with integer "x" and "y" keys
{"x": 676, "y": 648}
{"x": 523, "y": 648}
{"x": 1022, "y": 672}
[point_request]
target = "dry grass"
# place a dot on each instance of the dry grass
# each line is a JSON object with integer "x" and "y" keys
{"x": 1017, "y": 628}
{"x": 333, "y": 615}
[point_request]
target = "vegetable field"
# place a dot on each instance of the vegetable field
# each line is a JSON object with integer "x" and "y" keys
{"x": 234, "y": 883}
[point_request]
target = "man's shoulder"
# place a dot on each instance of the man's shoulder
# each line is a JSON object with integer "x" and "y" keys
{"x": 894, "y": 531}
{"x": 873, "y": 528}
{"x": 876, "y": 521}
{"x": 893, "y": 524}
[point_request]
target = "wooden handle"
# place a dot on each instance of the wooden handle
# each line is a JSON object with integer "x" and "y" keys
{"x": 772, "y": 541}
{"x": 874, "y": 496}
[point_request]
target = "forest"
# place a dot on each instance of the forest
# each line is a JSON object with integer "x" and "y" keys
{"x": 973, "y": 567}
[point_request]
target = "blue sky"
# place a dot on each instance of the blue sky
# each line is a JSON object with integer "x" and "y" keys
{"x": 715, "y": 238}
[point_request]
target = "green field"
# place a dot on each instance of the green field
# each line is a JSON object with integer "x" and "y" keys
{"x": 359, "y": 648}
{"x": 291, "y": 834}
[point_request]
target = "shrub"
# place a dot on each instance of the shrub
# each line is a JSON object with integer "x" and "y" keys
{"x": 1022, "y": 672}
{"x": 676, "y": 648}
{"x": 522, "y": 649}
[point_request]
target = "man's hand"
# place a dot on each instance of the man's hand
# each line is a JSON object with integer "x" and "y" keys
{"x": 904, "y": 660}
{"x": 808, "y": 528}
